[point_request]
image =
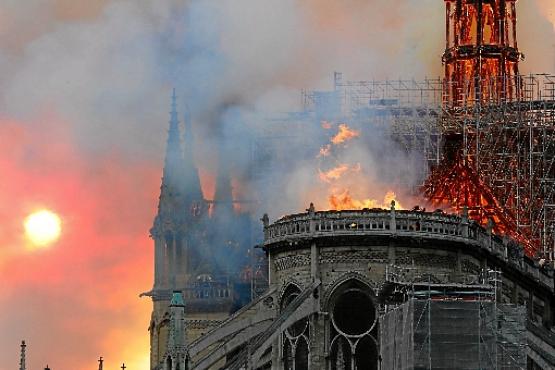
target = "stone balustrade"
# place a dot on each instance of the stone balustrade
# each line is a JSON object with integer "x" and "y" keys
{"x": 381, "y": 222}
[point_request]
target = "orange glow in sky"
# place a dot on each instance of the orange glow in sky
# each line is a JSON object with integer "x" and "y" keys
{"x": 79, "y": 298}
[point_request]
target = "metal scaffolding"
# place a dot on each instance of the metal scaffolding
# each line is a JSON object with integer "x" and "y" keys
{"x": 493, "y": 154}
{"x": 499, "y": 162}
{"x": 451, "y": 326}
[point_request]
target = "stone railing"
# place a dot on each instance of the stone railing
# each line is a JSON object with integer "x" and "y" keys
{"x": 431, "y": 225}
{"x": 373, "y": 222}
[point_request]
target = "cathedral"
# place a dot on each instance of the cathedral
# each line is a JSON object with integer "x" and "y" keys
{"x": 356, "y": 289}
{"x": 371, "y": 288}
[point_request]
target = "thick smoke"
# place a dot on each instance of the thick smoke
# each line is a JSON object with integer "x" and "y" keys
{"x": 84, "y": 101}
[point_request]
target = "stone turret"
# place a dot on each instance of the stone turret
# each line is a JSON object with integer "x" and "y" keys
{"x": 176, "y": 354}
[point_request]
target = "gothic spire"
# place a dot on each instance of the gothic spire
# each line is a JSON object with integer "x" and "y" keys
{"x": 22, "y": 356}
{"x": 171, "y": 201}
{"x": 173, "y": 147}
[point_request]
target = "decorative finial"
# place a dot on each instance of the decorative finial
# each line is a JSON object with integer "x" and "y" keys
{"x": 489, "y": 226}
{"x": 123, "y": 367}
{"x": 265, "y": 220}
{"x": 47, "y": 368}
{"x": 393, "y": 204}
{"x": 177, "y": 299}
{"x": 100, "y": 363}
{"x": 311, "y": 210}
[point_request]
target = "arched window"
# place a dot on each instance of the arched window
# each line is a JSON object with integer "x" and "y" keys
{"x": 301, "y": 354}
{"x": 353, "y": 328}
{"x": 295, "y": 339}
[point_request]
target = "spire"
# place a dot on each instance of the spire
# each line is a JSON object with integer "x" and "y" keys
{"x": 100, "y": 363}
{"x": 173, "y": 146}
{"x": 22, "y": 356}
{"x": 170, "y": 203}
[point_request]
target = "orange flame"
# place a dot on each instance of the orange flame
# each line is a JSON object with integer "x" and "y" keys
{"x": 337, "y": 172}
{"x": 344, "y": 201}
{"x": 345, "y": 133}
{"x": 334, "y": 173}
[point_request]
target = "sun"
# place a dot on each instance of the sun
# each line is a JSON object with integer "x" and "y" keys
{"x": 43, "y": 227}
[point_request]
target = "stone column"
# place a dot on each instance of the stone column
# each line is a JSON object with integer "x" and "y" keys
{"x": 317, "y": 358}
{"x": 314, "y": 262}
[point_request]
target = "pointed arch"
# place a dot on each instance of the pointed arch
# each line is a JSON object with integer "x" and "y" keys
{"x": 342, "y": 279}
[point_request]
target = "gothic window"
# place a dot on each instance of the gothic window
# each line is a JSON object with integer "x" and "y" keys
{"x": 353, "y": 328}
{"x": 296, "y": 338}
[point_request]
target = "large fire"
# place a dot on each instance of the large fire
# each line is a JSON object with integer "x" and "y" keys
{"x": 347, "y": 186}
{"x": 344, "y": 200}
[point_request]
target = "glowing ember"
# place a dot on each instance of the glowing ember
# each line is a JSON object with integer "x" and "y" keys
{"x": 345, "y": 133}
{"x": 326, "y": 125}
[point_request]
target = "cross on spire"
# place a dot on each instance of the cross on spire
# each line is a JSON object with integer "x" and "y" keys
{"x": 123, "y": 367}
{"x": 100, "y": 363}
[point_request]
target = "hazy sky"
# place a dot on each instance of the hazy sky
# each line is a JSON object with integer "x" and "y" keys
{"x": 84, "y": 101}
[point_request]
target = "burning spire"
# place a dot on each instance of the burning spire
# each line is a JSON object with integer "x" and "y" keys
{"x": 481, "y": 51}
